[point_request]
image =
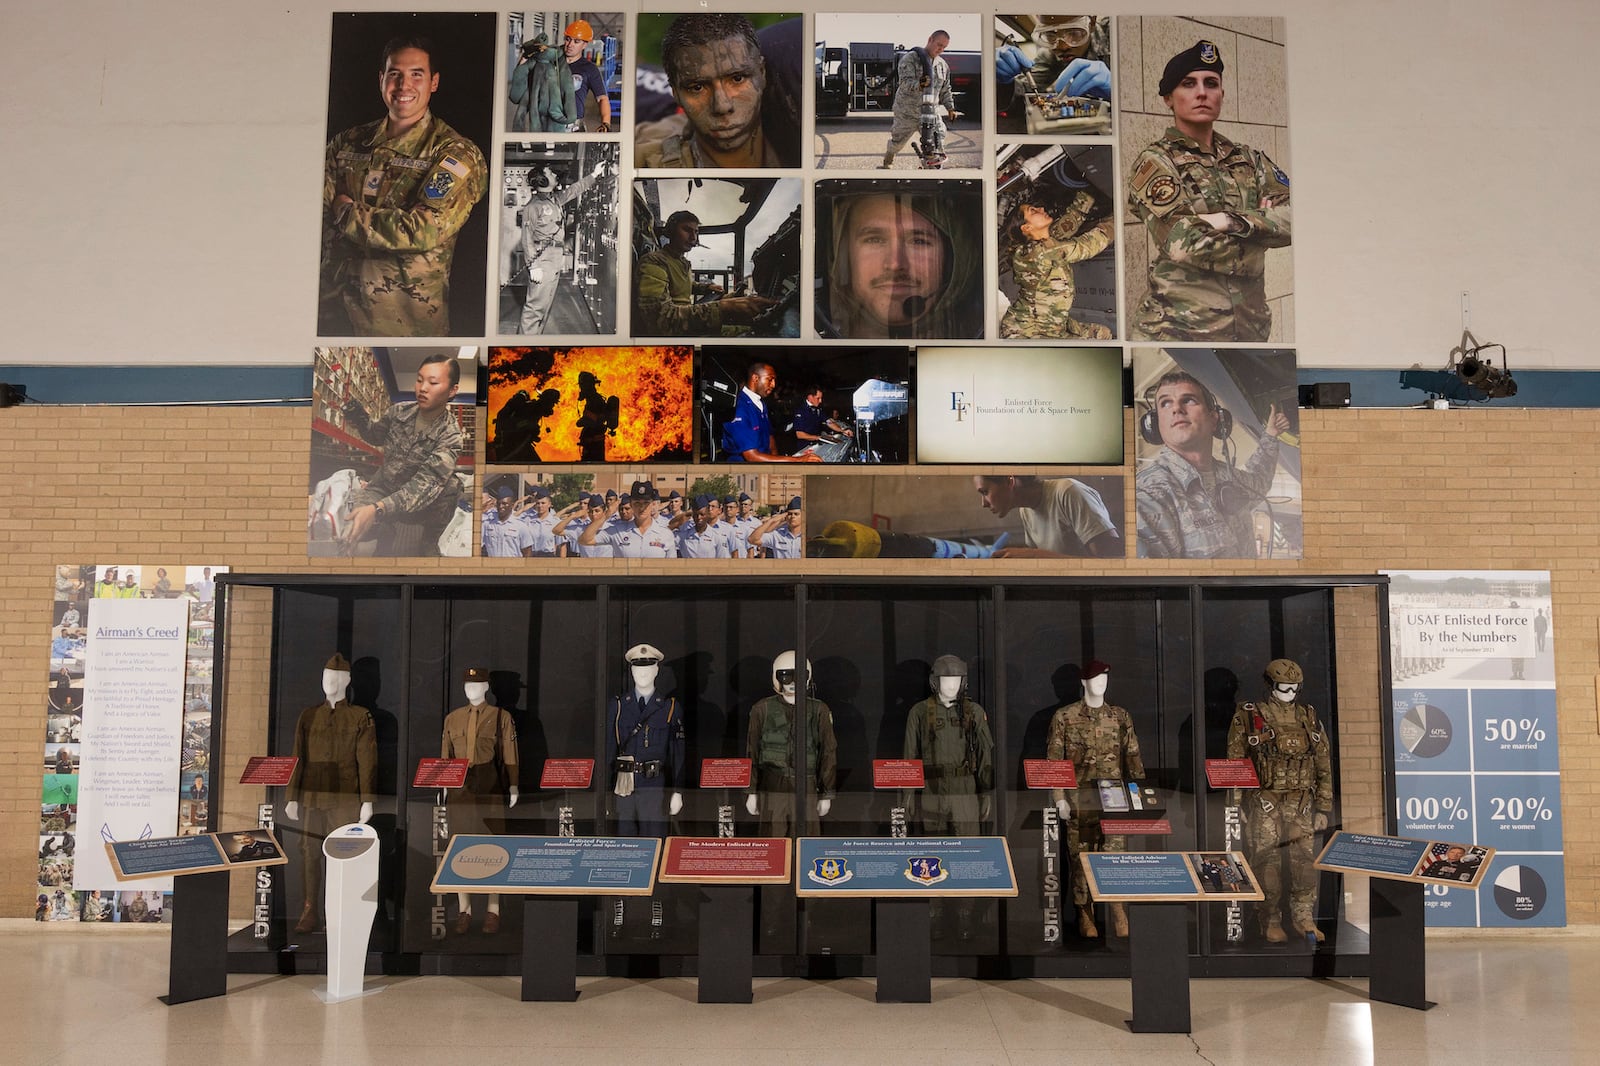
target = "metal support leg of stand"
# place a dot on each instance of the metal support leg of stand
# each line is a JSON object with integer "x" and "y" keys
{"x": 549, "y": 950}
{"x": 727, "y": 957}
{"x": 198, "y": 965}
{"x": 1158, "y": 949}
{"x": 1399, "y": 948}
{"x": 905, "y": 951}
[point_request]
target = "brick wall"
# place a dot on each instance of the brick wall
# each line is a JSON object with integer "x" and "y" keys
{"x": 1383, "y": 489}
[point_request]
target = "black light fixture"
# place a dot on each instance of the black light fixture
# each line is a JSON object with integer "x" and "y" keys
{"x": 1470, "y": 361}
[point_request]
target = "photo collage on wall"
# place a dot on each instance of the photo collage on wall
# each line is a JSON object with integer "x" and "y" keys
{"x": 1007, "y": 251}
{"x": 57, "y": 897}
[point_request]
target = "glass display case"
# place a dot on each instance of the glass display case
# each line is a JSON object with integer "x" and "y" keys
{"x": 1135, "y": 683}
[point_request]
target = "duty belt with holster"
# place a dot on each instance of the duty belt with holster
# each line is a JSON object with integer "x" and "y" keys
{"x": 627, "y": 764}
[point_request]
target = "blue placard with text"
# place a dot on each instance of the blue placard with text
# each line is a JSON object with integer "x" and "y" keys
{"x": 576, "y": 866}
{"x": 166, "y": 855}
{"x": 904, "y": 866}
{"x": 1139, "y": 874}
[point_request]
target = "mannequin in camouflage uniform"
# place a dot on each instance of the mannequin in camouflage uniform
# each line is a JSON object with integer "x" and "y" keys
{"x": 1099, "y": 740}
{"x": 950, "y": 734}
{"x": 770, "y": 744}
{"x": 1289, "y": 749}
{"x": 395, "y": 193}
{"x": 1211, "y": 209}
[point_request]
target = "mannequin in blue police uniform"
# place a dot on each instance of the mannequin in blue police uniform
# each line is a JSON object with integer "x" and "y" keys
{"x": 644, "y": 749}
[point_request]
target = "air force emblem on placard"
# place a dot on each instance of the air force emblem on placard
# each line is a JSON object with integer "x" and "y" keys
{"x": 926, "y": 870}
{"x": 829, "y": 870}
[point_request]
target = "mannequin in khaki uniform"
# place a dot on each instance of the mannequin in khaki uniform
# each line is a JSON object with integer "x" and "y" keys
{"x": 1099, "y": 739}
{"x": 336, "y": 777}
{"x": 487, "y": 738}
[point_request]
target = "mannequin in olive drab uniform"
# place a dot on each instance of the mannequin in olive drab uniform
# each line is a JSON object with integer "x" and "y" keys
{"x": 1099, "y": 740}
{"x": 1289, "y": 748}
{"x": 336, "y": 777}
{"x": 487, "y": 738}
{"x": 950, "y": 734}
{"x": 771, "y": 743}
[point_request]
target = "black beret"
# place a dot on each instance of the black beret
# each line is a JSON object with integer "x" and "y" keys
{"x": 1203, "y": 56}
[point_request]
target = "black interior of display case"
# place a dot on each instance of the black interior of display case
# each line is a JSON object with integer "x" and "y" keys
{"x": 1181, "y": 654}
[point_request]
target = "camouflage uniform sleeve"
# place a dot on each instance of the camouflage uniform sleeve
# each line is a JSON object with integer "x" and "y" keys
{"x": 1069, "y": 246}
{"x": 457, "y": 180}
{"x": 1322, "y": 754}
{"x": 664, "y": 317}
{"x": 367, "y": 758}
{"x": 1236, "y": 732}
{"x": 371, "y": 432}
{"x": 1267, "y": 226}
{"x": 423, "y": 486}
{"x": 1132, "y": 760}
{"x": 828, "y": 761}
{"x": 1159, "y": 528}
{"x": 1056, "y": 746}
{"x": 1156, "y": 196}
{"x": 1256, "y": 475}
{"x": 946, "y": 97}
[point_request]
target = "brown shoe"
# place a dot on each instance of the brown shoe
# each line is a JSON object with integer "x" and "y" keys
{"x": 308, "y": 919}
{"x": 463, "y": 924}
{"x": 1086, "y": 926}
{"x": 1119, "y": 920}
{"x": 1308, "y": 927}
{"x": 491, "y": 923}
{"x": 1273, "y": 931}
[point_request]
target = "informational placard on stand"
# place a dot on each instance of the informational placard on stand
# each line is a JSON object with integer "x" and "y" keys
{"x": 724, "y": 773}
{"x": 440, "y": 773}
{"x": 566, "y": 773}
{"x": 164, "y": 857}
{"x": 1430, "y": 862}
{"x": 550, "y": 866}
{"x": 897, "y": 773}
{"x": 1049, "y": 773}
{"x": 273, "y": 771}
{"x": 725, "y": 861}
{"x": 1231, "y": 773}
{"x": 1136, "y": 826}
{"x": 1169, "y": 876}
{"x": 902, "y": 866}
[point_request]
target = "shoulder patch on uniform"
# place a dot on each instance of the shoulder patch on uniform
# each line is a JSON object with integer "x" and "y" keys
{"x": 439, "y": 185}
{"x": 1162, "y": 191}
{"x": 1143, "y": 173}
{"x": 1248, "y": 706}
{"x": 454, "y": 166}
{"x": 1278, "y": 173}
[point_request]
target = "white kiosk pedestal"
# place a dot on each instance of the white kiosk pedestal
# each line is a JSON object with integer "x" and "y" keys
{"x": 351, "y": 904}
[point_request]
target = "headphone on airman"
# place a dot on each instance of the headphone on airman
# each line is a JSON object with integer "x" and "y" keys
{"x": 1149, "y": 422}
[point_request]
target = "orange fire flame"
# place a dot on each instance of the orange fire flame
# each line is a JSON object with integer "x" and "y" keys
{"x": 653, "y": 386}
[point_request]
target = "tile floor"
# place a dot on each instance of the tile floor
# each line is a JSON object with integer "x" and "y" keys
{"x": 87, "y": 995}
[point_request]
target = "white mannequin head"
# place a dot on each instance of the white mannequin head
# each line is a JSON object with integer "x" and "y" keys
{"x": 644, "y": 677}
{"x": 1285, "y": 677}
{"x": 476, "y": 691}
{"x": 948, "y": 689}
{"x": 1284, "y": 692}
{"x": 335, "y": 683}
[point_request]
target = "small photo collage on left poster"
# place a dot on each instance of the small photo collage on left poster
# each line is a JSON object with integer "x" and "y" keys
{"x": 393, "y": 439}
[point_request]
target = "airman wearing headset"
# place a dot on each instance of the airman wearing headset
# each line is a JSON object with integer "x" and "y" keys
{"x": 1190, "y": 505}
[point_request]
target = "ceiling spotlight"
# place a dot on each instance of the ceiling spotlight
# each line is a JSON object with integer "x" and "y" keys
{"x": 1470, "y": 361}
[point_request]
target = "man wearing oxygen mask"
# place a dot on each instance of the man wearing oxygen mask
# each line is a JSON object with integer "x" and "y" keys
{"x": 771, "y": 743}
{"x": 486, "y": 737}
{"x": 949, "y": 732}
{"x": 644, "y": 749}
{"x": 336, "y": 777}
{"x": 1191, "y": 506}
{"x": 1098, "y": 738}
{"x": 1288, "y": 745}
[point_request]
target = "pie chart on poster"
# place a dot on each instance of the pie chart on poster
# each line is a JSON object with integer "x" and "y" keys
{"x": 1519, "y": 892}
{"x": 1425, "y": 731}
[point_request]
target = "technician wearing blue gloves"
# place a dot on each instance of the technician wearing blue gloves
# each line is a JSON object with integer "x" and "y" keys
{"x": 1071, "y": 60}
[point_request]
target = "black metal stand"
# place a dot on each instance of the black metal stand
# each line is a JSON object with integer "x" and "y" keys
{"x": 905, "y": 951}
{"x": 198, "y": 965}
{"x": 549, "y": 950}
{"x": 1158, "y": 949}
{"x": 1398, "y": 946}
{"x": 727, "y": 955}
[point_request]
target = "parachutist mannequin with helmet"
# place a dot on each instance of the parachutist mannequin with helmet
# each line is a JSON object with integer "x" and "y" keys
{"x": 771, "y": 743}
{"x": 949, "y": 732}
{"x": 1288, "y": 746}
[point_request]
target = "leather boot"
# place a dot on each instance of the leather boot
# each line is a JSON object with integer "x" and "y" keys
{"x": 1273, "y": 931}
{"x": 491, "y": 923}
{"x": 463, "y": 924}
{"x": 1119, "y": 919}
{"x": 308, "y": 919}
{"x": 1305, "y": 925}
{"x": 1086, "y": 926}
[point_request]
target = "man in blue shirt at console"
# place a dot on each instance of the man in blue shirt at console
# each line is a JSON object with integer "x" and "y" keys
{"x": 747, "y": 437}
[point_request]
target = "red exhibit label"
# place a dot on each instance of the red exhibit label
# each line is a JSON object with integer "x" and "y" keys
{"x": 269, "y": 770}
{"x": 440, "y": 773}
{"x": 736, "y": 859}
{"x": 1135, "y": 826}
{"x": 897, "y": 773}
{"x": 1231, "y": 773}
{"x": 724, "y": 773}
{"x": 1049, "y": 773}
{"x": 566, "y": 773}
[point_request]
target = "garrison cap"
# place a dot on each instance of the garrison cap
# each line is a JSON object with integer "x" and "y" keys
{"x": 794, "y": 504}
{"x": 338, "y": 662}
{"x": 1203, "y": 56}
{"x": 704, "y": 499}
